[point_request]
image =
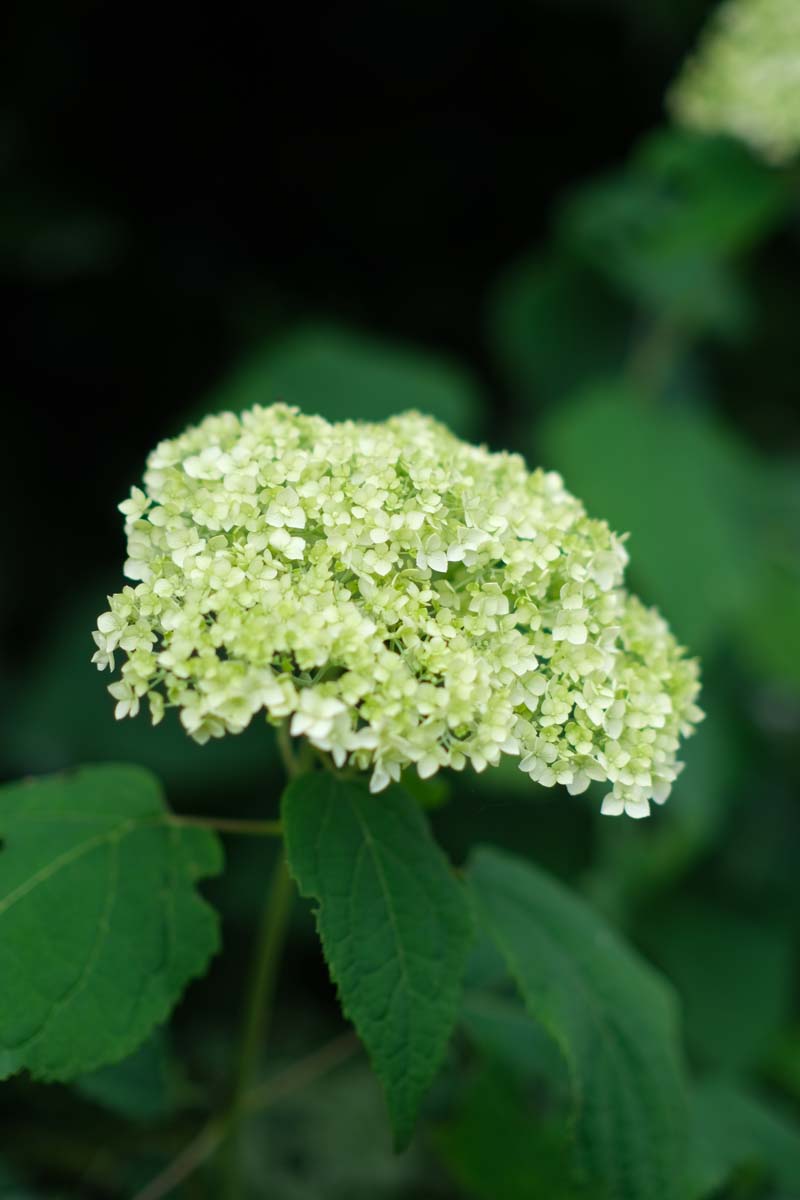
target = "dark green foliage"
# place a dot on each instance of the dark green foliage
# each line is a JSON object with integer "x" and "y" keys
{"x": 101, "y": 926}
{"x": 683, "y": 488}
{"x": 394, "y": 922}
{"x": 497, "y": 1122}
{"x": 555, "y": 325}
{"x": 665, "y": 229}
{"x": 613, "y": 1018}
{"x": 734, "y": 1128}
{"x": 734, "y": 976}
{"x": 139, "y": 1087}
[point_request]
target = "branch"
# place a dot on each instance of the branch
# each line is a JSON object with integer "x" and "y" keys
{"x": 285, "y": 1083}
{"x": 228, "y": 825}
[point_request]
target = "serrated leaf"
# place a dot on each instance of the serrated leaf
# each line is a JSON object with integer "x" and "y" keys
{"x": 683, "y": 488}
{"x": 101, "y": 924}
{"x": 733, "y": 1128}
{"x": 613, "y": 1018}
{"x": 394, "y": 922}
{"x": 342, "y": 375}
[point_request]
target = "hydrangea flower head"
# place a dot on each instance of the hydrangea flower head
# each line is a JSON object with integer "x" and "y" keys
{"x": 399, "y": 597}
{"x": 745, "y": 77}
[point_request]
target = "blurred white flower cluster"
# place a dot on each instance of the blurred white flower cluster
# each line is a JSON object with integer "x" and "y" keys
{"x": 400, "y": 597}
{"x": 745, "y": 77}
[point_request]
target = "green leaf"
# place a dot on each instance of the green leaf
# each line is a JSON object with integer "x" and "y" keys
{"x": 499, "y": 1026}
{"x": 733, "y": 973}
{"x": 666, "y": 228}
{"x": 343, "y": 375}
{"x": 733, "y": 1128}
{"x": 499, "y": 1145}
{"x": 613, "y": 1018}
{"x": 684, "y": 489}
{"x": 720, "y": 197}
{"x": 394, "y": 922}
{"x": 554, "y": 326}
{"x": 782, "y": 1067}
{"x": 137, "y": 1088}
{"x": 770, "y": 631}
{"x": 617, "y": 223}
{"x": 101, "y": 925}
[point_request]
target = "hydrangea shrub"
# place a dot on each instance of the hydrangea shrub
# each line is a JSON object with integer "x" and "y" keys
{"x": 391, "y": 597}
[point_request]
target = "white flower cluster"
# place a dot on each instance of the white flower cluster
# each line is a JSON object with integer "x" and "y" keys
{"x": 745, "y": 78}
{"x": 400, "y": 597}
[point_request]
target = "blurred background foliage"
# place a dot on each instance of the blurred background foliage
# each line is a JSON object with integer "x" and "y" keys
{"x": 480, "y": 210}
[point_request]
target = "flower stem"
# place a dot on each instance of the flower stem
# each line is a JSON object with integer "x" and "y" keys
{"x": 284, "y": 741}
{"x": 258, "y": 1009}
{"x": 287, "y": 1082}
{"x": 654, "y": 357}
{"x": 228, "y": 825}
{"x": 260, "y": 995}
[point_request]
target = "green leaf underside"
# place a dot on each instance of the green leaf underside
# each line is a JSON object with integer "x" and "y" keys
{"x": 500, "y": 1147}
{"x": 101, "y": 926}
{"x": 734, "y": 1128}
{"x": 514, "y": 1107}
{"x": 394, "y": 922}
{"x": 501, "y": 1030}
{"x": 613, "y": 1019}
